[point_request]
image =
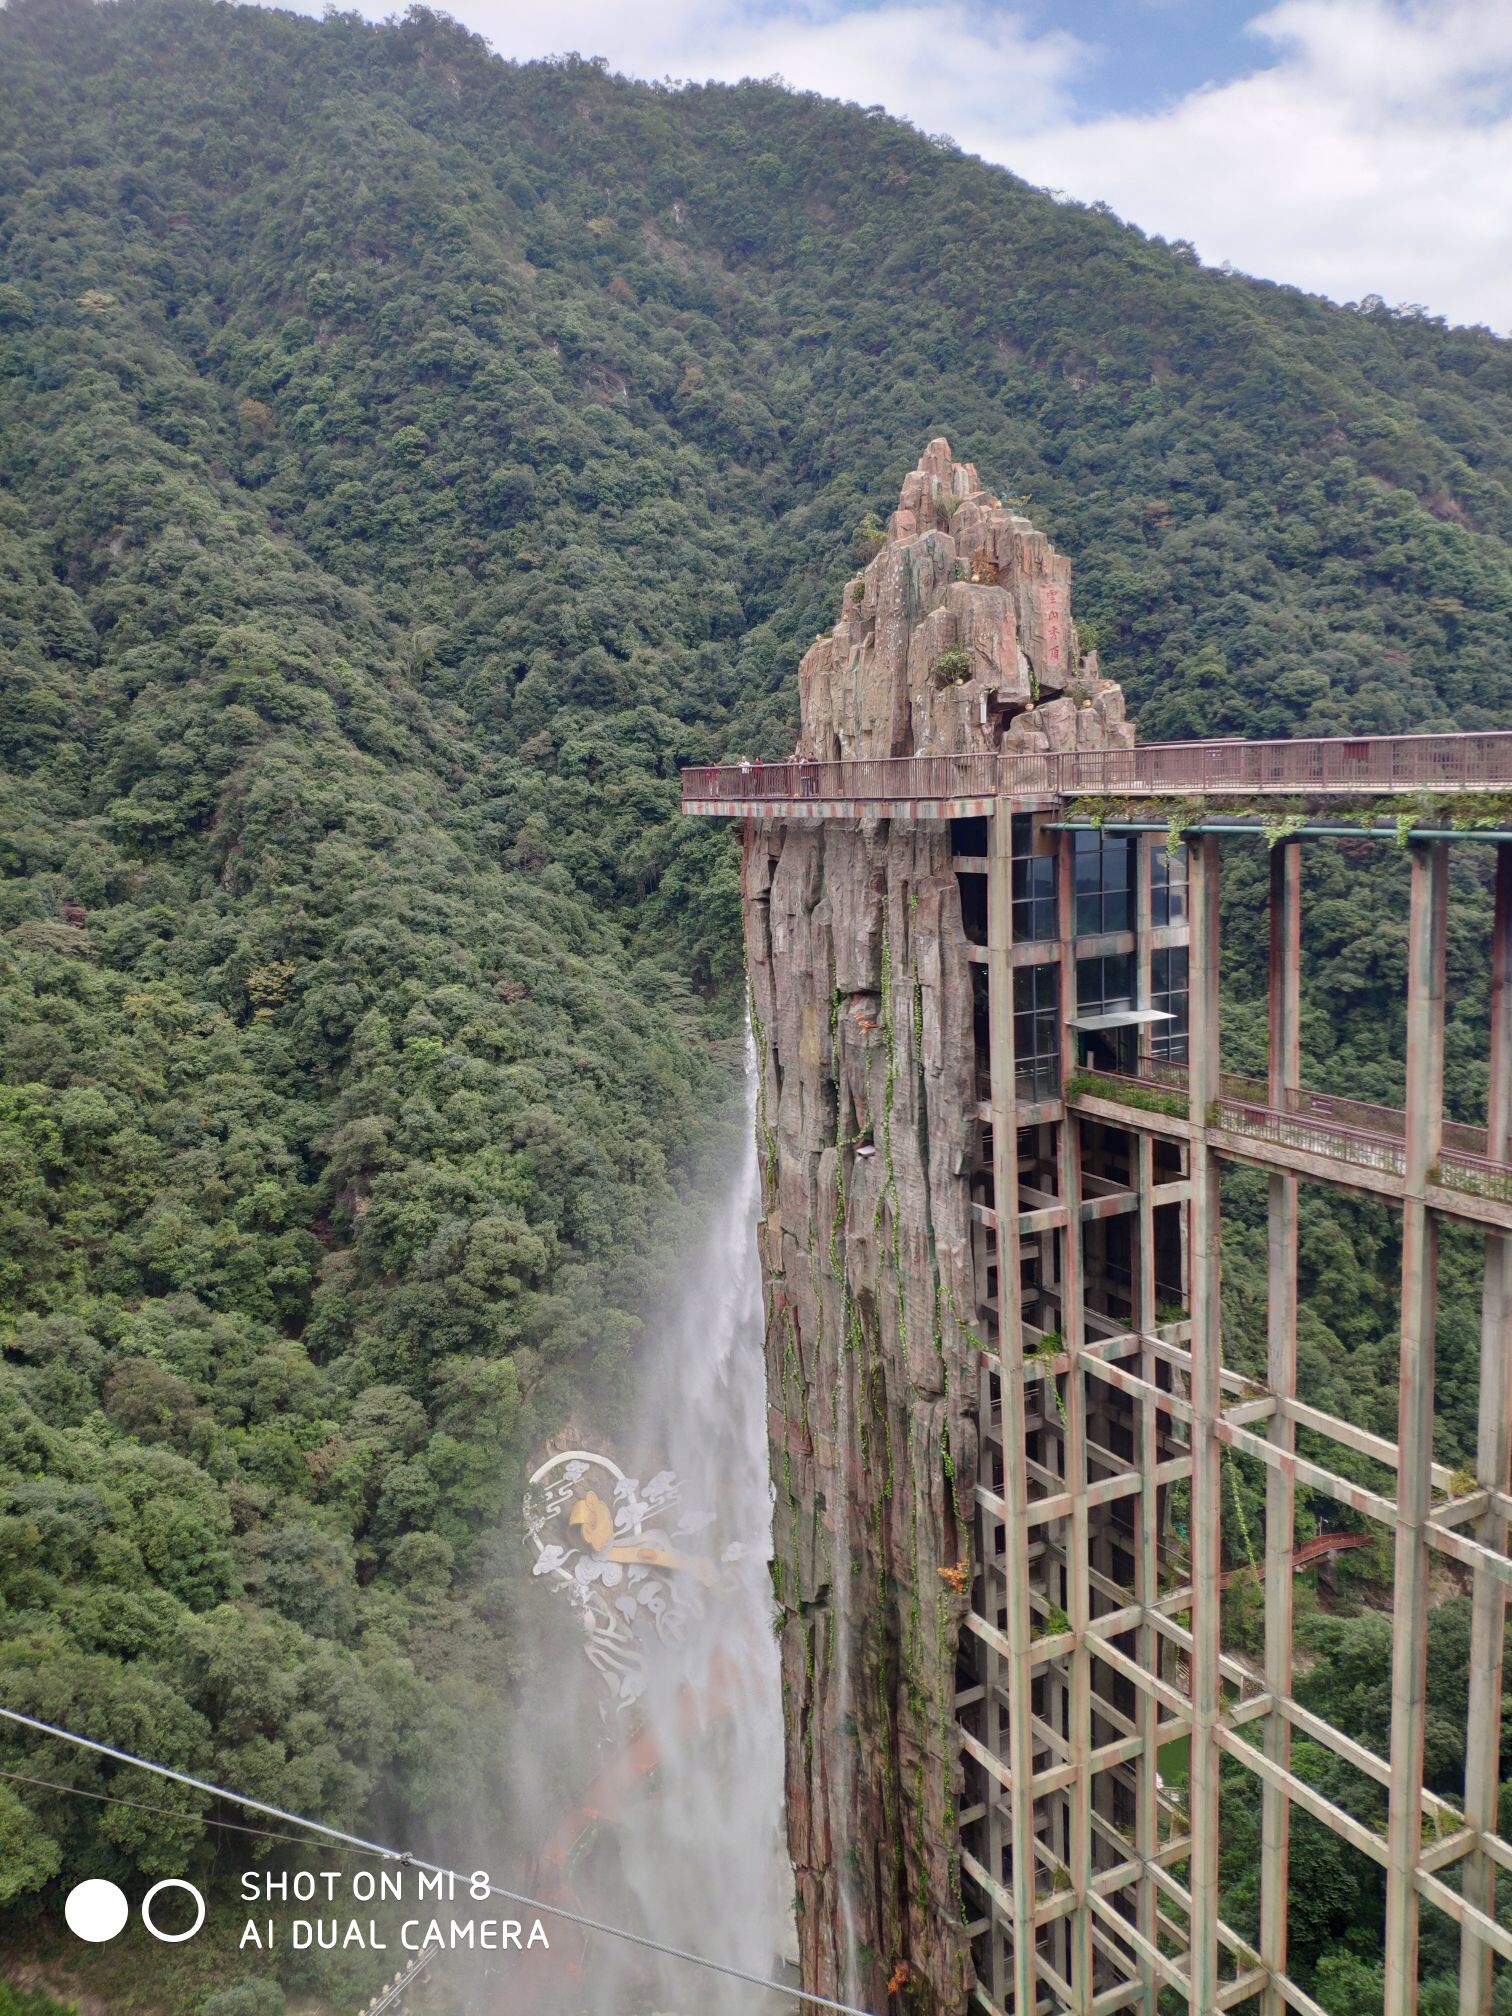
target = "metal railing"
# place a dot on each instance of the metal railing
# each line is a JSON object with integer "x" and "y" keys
{"x": 1360, "y": 1115}
{"x": 1369, "y": 765}
{"x": 1316, "y": 1123}
{"x": 1329, "y": 1138}
{"x": 1475, "y": 1175}
{"x": 1359, "y": 765}
{"x": 869, "y": 780}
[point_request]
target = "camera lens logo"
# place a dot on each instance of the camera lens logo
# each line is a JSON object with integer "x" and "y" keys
{"x": 97, "y": 1910}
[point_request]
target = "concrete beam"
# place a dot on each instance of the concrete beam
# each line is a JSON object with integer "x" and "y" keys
{"x": 1493, "y": 1451}
{"x": 1078, "y": 1590}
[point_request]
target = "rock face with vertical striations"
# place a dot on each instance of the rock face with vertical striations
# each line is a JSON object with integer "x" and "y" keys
{"x": 957, "y": 636}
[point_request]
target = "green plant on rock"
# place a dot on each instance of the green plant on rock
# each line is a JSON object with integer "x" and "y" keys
{"x": 870, "y": 536}
{"x": 952, "y": 666}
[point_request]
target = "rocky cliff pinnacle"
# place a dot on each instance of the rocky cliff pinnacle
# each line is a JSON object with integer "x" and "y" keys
{"x": 957, "y": 635}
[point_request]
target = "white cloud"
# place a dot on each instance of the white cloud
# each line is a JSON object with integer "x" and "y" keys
{"x": 1371, "y": 155}
{"x": 1367, "y": 151}
{"x": 932, "y": 61}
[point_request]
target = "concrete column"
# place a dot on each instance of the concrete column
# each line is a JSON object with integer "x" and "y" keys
{"x": 1424, "y": 1126}
{"x": 1281, "y": 1376}
{"x": 1146, "y": 1456}
{"x": 1011, "y": 1375}
{"x": 1146, "y": 1572}
{"x": 1488, "y": 1612}
{"x": 1078, "y": 1589}
{"x": 1144, "y": 850}
{"x": 1207, "y": 1358}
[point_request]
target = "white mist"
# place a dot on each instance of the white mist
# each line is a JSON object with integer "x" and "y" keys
{"x": 706, "y": 1853}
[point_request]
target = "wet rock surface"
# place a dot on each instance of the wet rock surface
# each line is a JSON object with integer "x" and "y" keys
{"x": 957, "y": 636}
{"x": 862, "y": 1005}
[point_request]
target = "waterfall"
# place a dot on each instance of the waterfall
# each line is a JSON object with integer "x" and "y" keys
{"x": 710, "y": 1864}
{"x": 689, "y": 1696}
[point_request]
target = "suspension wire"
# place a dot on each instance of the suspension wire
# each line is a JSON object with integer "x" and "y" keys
{"x": 170, "y": 1812}
{"x": 412, "y": 1861}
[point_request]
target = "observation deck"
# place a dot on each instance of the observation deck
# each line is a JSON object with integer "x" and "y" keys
{"x": 945, "y": 787}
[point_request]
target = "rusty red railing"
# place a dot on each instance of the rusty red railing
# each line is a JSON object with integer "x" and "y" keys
{"x": 1344, "y": 1130}
{"x": 1370, "y": 765}
{"x": 1359, "y": 765}
{"x": 1299, "y": 1102}
{"x": 871, "y": 780}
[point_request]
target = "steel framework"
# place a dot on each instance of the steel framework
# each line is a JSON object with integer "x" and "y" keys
{"x": 1104, "y": 1399}
{"x": 1098, "y": 1636}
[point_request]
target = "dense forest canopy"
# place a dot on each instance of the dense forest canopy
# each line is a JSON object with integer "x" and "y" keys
{"x": 409, "y": 460}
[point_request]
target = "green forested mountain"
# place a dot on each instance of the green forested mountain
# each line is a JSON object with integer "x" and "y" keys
{"x": 407, "y": 461}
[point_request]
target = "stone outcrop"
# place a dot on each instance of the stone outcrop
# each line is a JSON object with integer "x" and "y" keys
{"x": 861, "y": 1003}
{"x": 862, "y": 1007}
{"x": 957, "y": 635}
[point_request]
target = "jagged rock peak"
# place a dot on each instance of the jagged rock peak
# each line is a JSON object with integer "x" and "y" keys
{"x": 956, "y": 635}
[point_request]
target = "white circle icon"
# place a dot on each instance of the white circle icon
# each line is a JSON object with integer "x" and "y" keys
{"x": 173, "y": 1883}
{"x": 95, "y": 1910}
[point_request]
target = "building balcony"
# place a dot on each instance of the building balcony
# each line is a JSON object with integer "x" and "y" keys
{"x": 1331, "y": 1131}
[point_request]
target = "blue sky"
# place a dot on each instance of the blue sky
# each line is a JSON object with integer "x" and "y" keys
{"x": 1149, "y": 52}
{"x": 1351, "y": 147}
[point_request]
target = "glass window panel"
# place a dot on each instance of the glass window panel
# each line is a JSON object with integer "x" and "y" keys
{"x": 1104, "y": 882}
{"x": 1034, "y": 900}
{"x": 1169, "y": 990}
{"x": 1168, "y": 885}
{"x": 1104, "y": 985}
{"x": 1036, "y": 1031}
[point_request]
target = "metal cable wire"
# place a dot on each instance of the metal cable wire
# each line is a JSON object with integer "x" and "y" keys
{"x": 400, "y": 1855}
{"x": 392, "y": 1992}
{"x": 170, "y": 1812}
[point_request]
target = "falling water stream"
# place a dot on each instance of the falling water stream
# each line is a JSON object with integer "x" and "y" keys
{"x": 678, "y": 1706}
{"x": 708, "y": 1853}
